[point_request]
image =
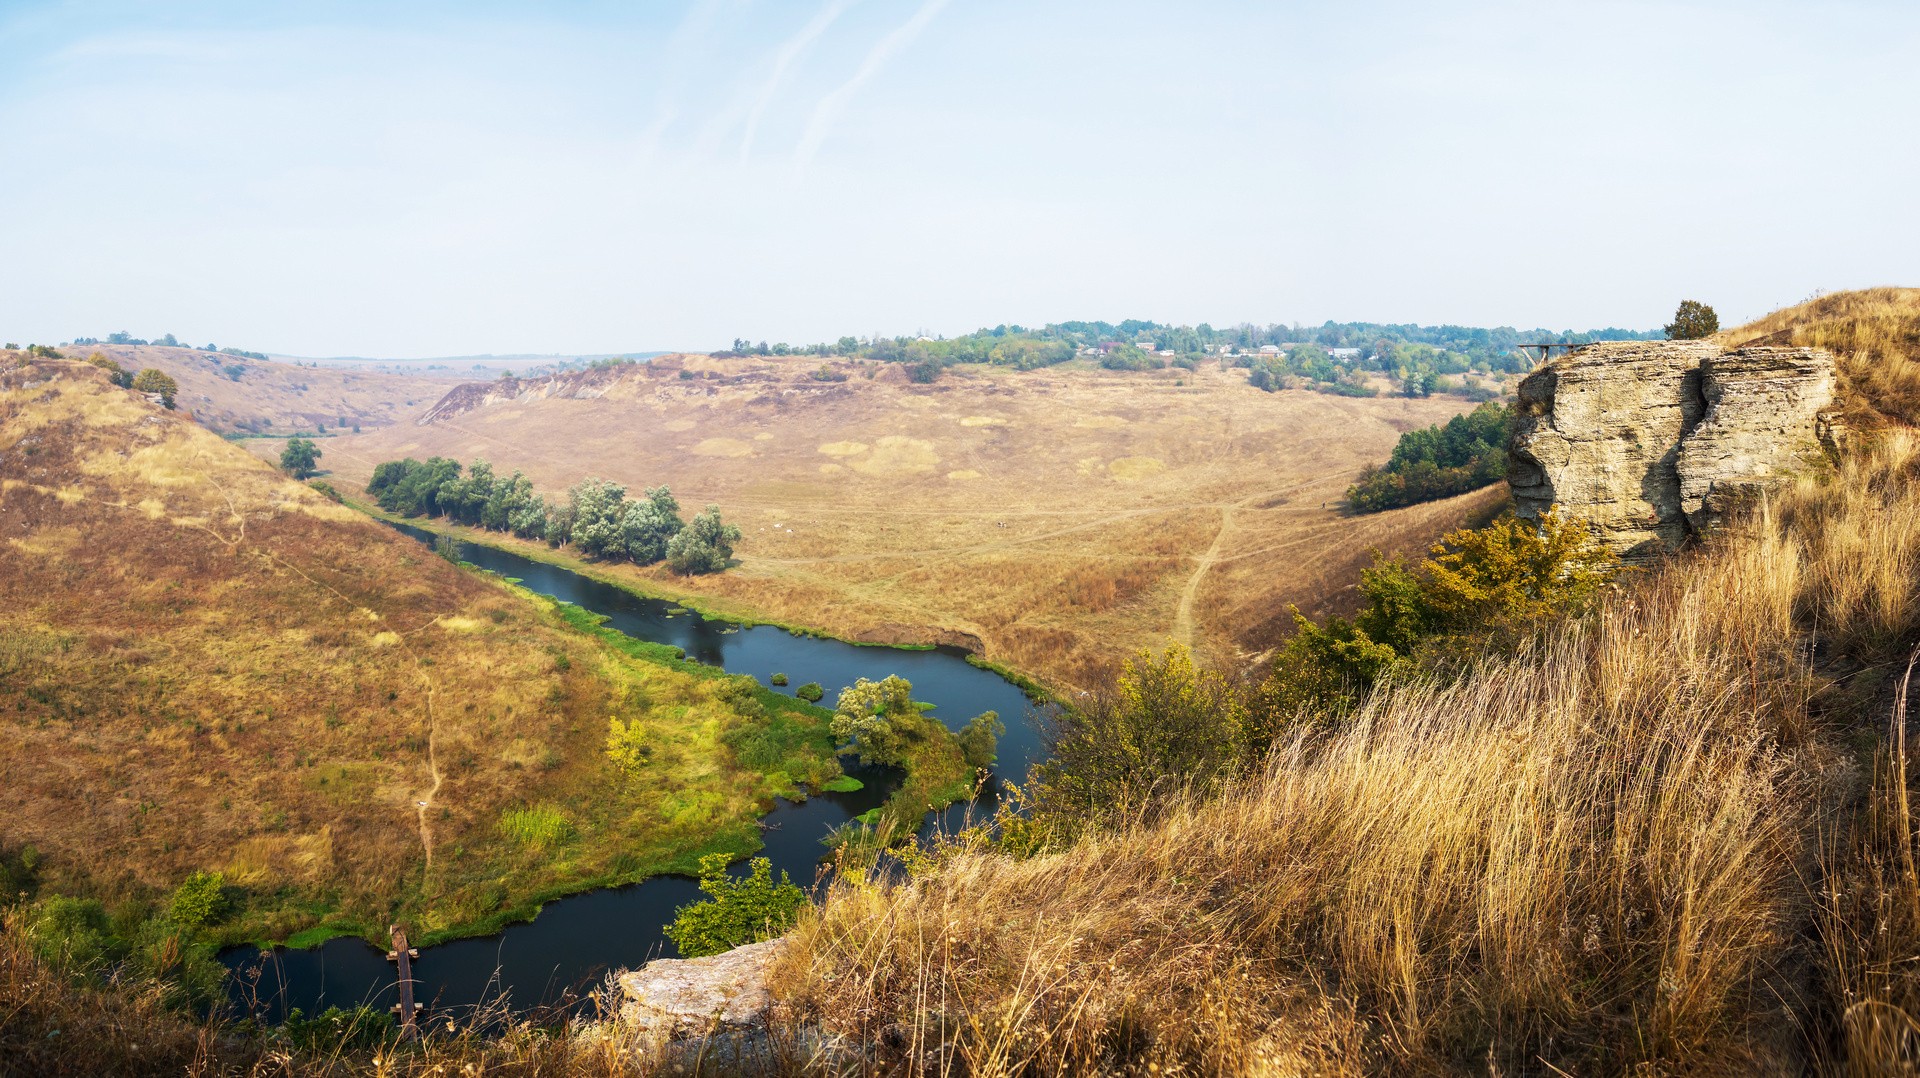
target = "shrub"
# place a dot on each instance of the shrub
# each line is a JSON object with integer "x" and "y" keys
{"x": 156, "y": 383}
{"x": 778, "y": 679}
{"x": 70, "y": 933}
{"x": 326, "y": 489}
{"x": 740, "y": 911}
{"x": 1163, "y": 726}
{"x": 811, "y": 692}
{"x": 1493, "y": 586}
{"x": 627, "y": 746}
{"x": 198, "y": 900}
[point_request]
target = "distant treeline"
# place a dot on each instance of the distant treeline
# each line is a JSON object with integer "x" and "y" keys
{"x": 1468, "y": 453}
{"x": 596, "y": 518}
{"x": 1137, "y": 345}
{"x": 168, "y": 341}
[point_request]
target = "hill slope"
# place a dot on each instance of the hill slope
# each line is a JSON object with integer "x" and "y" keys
{"x": 1675, "y": 837}
{"x": 206, "y": 666}
{"x": 1056, "y": 519}
{"x": 231, "y": 394}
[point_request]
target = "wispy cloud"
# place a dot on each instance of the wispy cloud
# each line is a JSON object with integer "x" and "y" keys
{"x": 789, "y": 51}
{"x": 835, "y": 102}
{"x": 678, "y": 52}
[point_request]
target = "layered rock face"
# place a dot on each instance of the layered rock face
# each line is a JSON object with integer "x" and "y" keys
{"x": 1650, "y": 442}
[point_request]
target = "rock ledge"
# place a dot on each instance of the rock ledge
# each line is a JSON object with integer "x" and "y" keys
{"x": 1651, "y": 442}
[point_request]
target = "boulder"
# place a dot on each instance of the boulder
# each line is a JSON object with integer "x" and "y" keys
{"x": 1650, "y": 442}
{"x": 707, "y": 1015}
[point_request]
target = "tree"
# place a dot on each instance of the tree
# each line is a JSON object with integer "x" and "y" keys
{"x": 299, "y": 457}
{"x": 980, "y": 739}
{"x": 650, "y": 525}
{"x": 741, "y": 911}
{"x": 1692, "y": 321}
{"x": 598, "y": 513}
{"x": 156, "y": 383}
{"x": 875, "y": 720}
{"x": 705, "y": 545}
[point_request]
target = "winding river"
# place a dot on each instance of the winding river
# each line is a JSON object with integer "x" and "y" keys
{"x": 564, "y": 951}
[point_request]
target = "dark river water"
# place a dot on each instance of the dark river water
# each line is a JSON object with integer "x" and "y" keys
{"x": 554, "y": 958}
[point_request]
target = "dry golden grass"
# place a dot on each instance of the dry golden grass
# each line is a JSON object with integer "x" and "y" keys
{"x": 1054, "y": 519}
{"x": 204, "y": 665}
{"x": 1874, "y": 332}
{"x": 1648, "y": 847}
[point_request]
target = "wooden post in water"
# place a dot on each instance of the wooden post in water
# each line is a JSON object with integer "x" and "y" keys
{"x": 407, "y": 1009}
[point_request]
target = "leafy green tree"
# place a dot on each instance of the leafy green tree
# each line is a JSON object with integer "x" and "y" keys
{"x": 739, "y": 911}
{"x": 198, "y": 900}
{"x": 1692, "y": 321}
{"x": 875, "y": 720}
{"x": 299, "y": 457}
{"x": 650, "y": 524}
{"x": 158, "y": 383}
{"x": 1468, "y": 453}
{"x": 980, "y": 739}
{"x": 705, "y": 545}
{"x": 599, "y": 508}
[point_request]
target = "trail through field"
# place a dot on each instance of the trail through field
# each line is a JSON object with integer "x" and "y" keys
{"x": 421, "y": 805}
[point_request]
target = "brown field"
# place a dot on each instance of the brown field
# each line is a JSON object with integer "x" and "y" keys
{"x": 204, "y": 665}
{"x": 1057, "y": 520}
{"x": 272, "y": 397}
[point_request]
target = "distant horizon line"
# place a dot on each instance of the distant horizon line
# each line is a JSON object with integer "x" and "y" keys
{"x": 1011, "y": 326}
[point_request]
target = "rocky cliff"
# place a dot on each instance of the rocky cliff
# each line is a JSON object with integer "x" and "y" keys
{"x": 1651, "y": 442}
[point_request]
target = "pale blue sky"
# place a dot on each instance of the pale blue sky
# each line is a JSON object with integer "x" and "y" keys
{"x": 432, "y": 179}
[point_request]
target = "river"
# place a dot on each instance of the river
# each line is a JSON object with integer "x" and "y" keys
{"x": 565, "y": 950}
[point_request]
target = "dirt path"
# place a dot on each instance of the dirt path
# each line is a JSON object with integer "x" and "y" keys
{"x": 1183, "y": 620}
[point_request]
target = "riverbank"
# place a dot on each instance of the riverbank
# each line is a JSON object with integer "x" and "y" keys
{"x": 637, "y": 581}
{"x": 691, "y": 797}
{"x": 587, "y": 928}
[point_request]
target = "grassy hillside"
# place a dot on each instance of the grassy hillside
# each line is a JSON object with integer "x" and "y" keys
{"x": 239, "y": 395}
{"x": 1672, "y": 837}
{"x": 1057, "y": 518}
{"x": 1876, "y": 335}
{"x": 205, "y": 666}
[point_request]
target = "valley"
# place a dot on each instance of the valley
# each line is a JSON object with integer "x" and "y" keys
{"x": 1054, "y": 521}
{"x": 206, "y": 667}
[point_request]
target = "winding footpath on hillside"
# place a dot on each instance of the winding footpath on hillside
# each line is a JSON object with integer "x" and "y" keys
{"x": 422, "y": 805}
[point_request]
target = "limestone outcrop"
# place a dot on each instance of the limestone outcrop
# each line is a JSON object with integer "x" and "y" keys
{"x": 1651, "y": 442}
{"x": 704, "y": 1015}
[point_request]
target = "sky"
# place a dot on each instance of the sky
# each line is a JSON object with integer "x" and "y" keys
{"x": 425, "y": 179}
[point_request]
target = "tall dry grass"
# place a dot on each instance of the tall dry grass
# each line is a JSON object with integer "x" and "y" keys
{"x": 1874, "y": 333}
{"x": 1602, "y": 856}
